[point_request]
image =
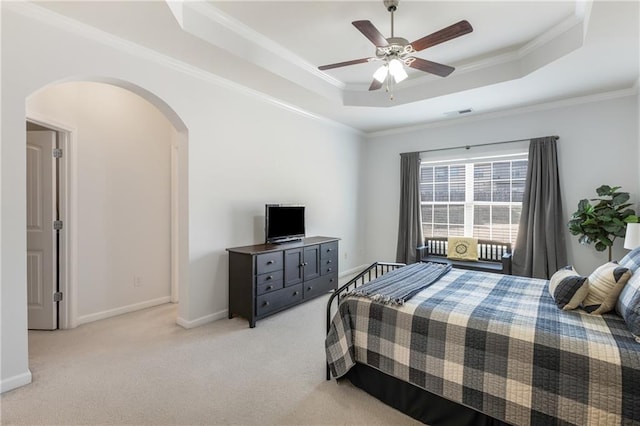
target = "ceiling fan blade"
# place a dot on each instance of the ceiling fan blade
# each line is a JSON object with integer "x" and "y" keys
{"x": 344, "y": 64}
{"x": 371, "y": 32}
{"x": 430, "y": 67}
{"x": 456, "y": 30}
{"x": 375, "y": 85}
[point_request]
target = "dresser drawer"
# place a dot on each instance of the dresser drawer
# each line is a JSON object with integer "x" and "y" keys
{"x": 269, "y": 282}
{"x": 275, "y": 300}
{"x": 328, "y": 250}
{"x": 320, "y": 285}
{"x": 268, "y": 262}
{"x": 328, "y": 266}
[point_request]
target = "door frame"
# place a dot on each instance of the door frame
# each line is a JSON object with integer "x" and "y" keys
{"x": 67, "y": 307}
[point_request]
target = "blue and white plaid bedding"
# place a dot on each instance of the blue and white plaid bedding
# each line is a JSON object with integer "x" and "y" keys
{"x": 498, "y": 344}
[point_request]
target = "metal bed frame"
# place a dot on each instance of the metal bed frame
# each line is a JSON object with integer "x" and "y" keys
{"x": 374, "y": 271}
{"x": 415, "y": 402}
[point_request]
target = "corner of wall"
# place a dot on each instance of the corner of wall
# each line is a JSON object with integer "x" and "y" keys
{"x": 14, "y": 382}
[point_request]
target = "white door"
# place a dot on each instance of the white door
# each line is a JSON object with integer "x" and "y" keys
{"x": 41, "y": 250}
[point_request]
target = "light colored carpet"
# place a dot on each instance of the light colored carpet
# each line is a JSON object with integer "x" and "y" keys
{"x": 143, "y": 369}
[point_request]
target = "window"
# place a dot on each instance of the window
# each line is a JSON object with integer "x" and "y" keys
{"x": 479, "y": 198}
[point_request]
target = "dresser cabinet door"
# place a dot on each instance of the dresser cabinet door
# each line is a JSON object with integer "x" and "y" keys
{"x": 311, "y": 262}
{"x": 293, "y": 269}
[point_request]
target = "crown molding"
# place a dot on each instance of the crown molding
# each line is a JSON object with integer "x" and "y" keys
{"x": 550, "y": 35}
{"x": 83, "y": 30}
{"x": 542, "y": 106}
{"x": 265, "y": 43}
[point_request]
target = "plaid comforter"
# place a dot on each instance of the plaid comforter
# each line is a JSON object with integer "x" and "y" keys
{"x": 498, "y": 344}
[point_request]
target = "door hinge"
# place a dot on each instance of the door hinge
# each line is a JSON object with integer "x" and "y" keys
{"x": 57, "y": 225}
{"x": 57, "y": 296}
{"x": 57, "y": 153}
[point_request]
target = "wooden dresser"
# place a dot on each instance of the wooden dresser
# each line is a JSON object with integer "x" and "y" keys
{"x": 268, "y": 278}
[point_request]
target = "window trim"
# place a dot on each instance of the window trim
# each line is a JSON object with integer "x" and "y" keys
{"x": 469, "y": 203}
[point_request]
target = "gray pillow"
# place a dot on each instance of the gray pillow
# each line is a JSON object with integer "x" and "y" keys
{"x": 568, "y": 288}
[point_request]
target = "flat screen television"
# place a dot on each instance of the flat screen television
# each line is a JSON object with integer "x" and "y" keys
{"x": 283, "y": 223}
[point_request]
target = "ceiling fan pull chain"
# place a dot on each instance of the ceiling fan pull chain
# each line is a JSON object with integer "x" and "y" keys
{"x": 389, "y": 87}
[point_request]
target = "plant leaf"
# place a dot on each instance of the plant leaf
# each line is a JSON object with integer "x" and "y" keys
{"x": 620, "y": 198}
{"x": 603, "y": 190}
{"x": 631, "y": 219}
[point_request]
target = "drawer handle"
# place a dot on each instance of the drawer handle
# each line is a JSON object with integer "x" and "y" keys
{"x": 296, "y": 293}
{"x": 329, "y": 261}
{"x": 270, "y": 277}
{"x": 329, "y": 269}
{"x": 270, "y": 262}
{"x": 328, "y": 250}
{"x": 304, "y": 264}
{"x": 331, "y": 280}
{"x": 309, "y": 288}
{"x": 270, "y": 287}
{"x": 266, "y": 303}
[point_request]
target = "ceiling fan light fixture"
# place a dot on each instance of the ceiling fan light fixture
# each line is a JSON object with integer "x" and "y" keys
{"x": 381, "y": 73}
{"x": 396, "y": 69}
{"x": 394, "y": 51}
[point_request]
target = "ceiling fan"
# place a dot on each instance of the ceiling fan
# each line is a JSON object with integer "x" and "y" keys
{"x": 395, "y": 52}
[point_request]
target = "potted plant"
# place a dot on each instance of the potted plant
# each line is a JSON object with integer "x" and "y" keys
{"x": 602, "y": 220}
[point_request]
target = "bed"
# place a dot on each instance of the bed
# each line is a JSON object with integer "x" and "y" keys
{"x": 481, "y": 348}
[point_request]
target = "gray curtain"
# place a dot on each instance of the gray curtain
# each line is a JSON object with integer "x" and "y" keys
{"x": 410, "y": 223}
{"x": 540, "y": 247}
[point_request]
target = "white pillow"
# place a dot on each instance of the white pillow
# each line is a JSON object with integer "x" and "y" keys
{"x": 605, "y": 285}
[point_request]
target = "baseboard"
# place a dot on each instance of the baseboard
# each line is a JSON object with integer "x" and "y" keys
{"x": 202, "y": 320}
{"x": 224, "y": 313}
{"x": 353, "y": 271}
{"x": 15, "y": 381}
{"x": 123, "y": 310}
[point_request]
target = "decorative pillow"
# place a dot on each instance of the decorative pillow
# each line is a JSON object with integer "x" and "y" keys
{"x": 605, "y": 285}
{"x": 628, "y": 305}
{"x": 568, "y": 288}
{"x": 462, "y": 248}
{"x": 631, "y": 260}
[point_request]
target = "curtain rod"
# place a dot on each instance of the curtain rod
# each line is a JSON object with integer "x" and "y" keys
{"x": 480, "y": 144}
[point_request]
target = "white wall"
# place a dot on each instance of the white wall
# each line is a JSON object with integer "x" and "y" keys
{"x": 121, "y": 170}
{"x": 637, "y": 89}
{"x": 242, "y": 152}
{"x": 598, "y": 145}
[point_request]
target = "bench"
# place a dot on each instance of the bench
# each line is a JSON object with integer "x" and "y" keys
{"x": 493, "y": 256}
